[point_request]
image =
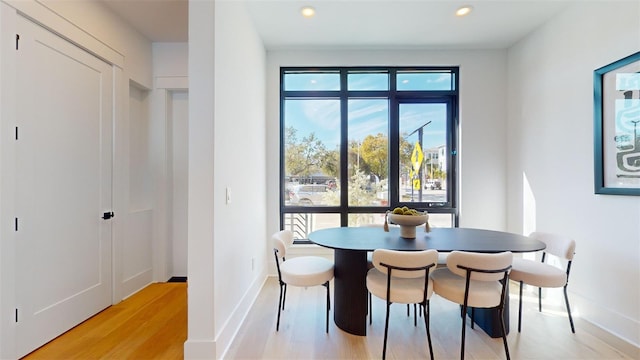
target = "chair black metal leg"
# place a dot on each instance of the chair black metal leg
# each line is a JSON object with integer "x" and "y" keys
{"x": 370, "y": 310}
{"x": 284, "y": 298}
{"x": 540, "y": 299}
{"x": 425, "y": 312}
{"x": 464, "y": 324}
{"x": 408, "y": 309}
{"x": 386, "y": 331}
{"x": 566, "y": 300}
{"x": 520, "y": 307}
{"x": 415, "y": 315}
{"x": 328, "y": 304}
{"x": 504, "y": 334}
{"x": 279, "y": 307}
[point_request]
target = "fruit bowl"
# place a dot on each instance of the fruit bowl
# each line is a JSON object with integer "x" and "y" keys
{"x": 408, "y": 223}
{"x": 408, "y": 220}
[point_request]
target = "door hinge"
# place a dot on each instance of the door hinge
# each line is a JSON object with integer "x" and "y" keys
{"x": 108, "y": 215}
{"x": 16, "y": 314}
{"x": 16, "y": 225}
{"x": 17, "y": 40}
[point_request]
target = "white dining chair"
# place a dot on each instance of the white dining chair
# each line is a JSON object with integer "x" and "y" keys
{"x": 543, "y": 274}
{"x": 403, "y": 277}
{"x": 370, "y": 266}
{"x": 301, "y": 271}
{"x": 475, "y": 280}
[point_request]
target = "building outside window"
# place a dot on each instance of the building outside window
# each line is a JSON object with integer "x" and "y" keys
{"x": 356, "y": 142}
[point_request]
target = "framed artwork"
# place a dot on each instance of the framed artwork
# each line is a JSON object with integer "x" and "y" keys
{"x": 617, "y": 127}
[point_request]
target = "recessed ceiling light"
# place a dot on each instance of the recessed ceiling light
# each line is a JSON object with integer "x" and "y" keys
{"x": 464, "y": 10}
{"x": 308, "y": 11}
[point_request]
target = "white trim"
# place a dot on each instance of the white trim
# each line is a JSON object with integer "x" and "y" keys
{"x": 232, "y": 326}
{"x": 119, "y": 188}
{"x": 56, "y": 23}
{"x": 7, "y": 184}
{"x": 610, "y": 338}
{"x": 602, "y": 319}
{"x": 199, "y": 349}
{"x": 172, "y": 82}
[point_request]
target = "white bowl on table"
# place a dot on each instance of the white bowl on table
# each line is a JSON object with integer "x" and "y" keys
{"x": 408, "y": 223}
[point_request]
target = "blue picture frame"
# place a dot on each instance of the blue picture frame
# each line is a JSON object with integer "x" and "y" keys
{"x": 617, "y": 127}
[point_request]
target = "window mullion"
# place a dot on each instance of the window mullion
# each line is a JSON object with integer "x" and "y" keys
{"x": 394, "y": 141}
{"x": 344, "y": 149}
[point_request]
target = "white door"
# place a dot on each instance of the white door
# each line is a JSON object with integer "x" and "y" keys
{"x": 64, "y": 153}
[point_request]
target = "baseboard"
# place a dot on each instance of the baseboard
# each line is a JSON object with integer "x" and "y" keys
{"x": 239, "y": 315}
{"x": 618, "y": 326}
{"x": 132, "y": 285}
{"x": 617, "y": 342}
{"x": 199, "y": 349}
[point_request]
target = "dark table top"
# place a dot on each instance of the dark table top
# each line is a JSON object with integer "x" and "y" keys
{"x": 442, "y": 239}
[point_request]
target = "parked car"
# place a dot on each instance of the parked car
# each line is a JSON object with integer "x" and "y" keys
{"x": 433, "y": 184}
{"x": 309, "y": 194}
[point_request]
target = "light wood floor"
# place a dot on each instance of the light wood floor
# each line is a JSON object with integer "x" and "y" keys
{"x": 152, "y": 325}
{"x": 545, "y": 335}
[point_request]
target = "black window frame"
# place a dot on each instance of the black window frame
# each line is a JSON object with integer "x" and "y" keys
{"x": 396, "y": 97}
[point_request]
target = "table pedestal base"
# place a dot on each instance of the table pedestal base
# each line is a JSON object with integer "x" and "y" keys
{"x": 350, "y": 291}
{"x": 489, "y": 320}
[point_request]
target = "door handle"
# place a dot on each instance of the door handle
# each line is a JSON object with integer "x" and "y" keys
{"x": 108, "y": 215}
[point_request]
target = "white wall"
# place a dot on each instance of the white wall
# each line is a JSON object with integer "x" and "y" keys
{"x": 240, "y": 166}
{"x": 550, "y": 171}
{"x": 226, "y": 140}
{"x": 482, "y": 122}
{"x": 170, "y": 59}
{"x": 140, "y": 197}
{"x": 201, "y": 332}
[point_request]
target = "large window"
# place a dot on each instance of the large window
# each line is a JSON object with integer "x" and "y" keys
{"x": 356, "y": 142}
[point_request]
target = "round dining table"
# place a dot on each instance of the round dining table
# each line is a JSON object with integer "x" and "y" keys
{"x": 351, "y": 245}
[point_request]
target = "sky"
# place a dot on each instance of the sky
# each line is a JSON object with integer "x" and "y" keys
{"x": 365, "y": 116}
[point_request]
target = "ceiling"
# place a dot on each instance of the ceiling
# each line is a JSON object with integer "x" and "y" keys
{"x": 371, "y": 24}
{"x": 157, "y": 20}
